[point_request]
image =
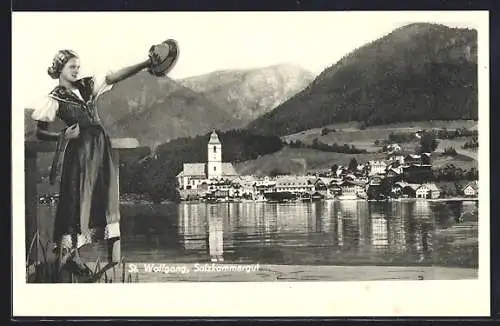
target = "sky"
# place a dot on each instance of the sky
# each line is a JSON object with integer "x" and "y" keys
{"x": 207, "y": 41}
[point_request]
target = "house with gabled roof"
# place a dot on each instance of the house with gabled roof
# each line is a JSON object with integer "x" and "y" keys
{"x": 428, "y": 190}
{"x": 471, "y": 189}
{"x": 409, "y": 189}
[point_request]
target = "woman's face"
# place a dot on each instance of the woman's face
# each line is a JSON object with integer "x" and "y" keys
{"x": 71, "y": 70}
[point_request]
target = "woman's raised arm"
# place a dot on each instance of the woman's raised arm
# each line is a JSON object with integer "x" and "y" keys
{"x": 126, "y": 72}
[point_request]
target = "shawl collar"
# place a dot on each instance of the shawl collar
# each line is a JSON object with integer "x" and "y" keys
{"x": 84, "y": 85}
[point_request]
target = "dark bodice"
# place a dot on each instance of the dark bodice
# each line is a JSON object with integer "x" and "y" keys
{"x": 72, "y": 109}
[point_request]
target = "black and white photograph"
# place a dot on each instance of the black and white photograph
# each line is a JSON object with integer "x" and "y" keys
{"x": 323, "y": 150}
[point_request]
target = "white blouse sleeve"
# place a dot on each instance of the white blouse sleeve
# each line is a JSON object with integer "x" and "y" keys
{"x": 100, "y": 85}
{"x": 46, "y": 110}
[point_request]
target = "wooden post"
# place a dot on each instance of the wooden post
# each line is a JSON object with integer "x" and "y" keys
{"x": 31, "y": 207}
{"x": 114, "y": 245}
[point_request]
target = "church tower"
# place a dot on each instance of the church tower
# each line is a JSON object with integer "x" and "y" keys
{"x": 214, "y": 164}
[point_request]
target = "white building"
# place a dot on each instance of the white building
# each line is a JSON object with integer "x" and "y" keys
{"x": 471, "y": 190}
{"x": 377, "y": 167}
{"x": 393, "y": 148}
{"x": 428, "y": 190}
{"x": 397, "y": 158}
{"x": 352, "y": 187}
{"x": 194, "y": 174}
{"x": 295, "y": 184}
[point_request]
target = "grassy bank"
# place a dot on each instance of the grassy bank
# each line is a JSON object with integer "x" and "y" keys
{"x": 294, "y": 160}
{"x": 352, "y": 134}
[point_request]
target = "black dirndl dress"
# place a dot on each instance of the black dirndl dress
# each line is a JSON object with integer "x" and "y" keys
{"x": 88, "y": 206}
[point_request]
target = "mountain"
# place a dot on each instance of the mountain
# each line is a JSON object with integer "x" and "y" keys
{"x": 247, "y": 94}
{"x": 417, "y": 72}
{"x": 155, "y": 110}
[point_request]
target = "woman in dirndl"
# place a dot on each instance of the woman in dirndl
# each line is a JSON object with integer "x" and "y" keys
{"x": 88, "y": 207}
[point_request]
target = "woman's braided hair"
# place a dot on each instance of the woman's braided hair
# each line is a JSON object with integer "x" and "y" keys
{"x": 59, "y": 61}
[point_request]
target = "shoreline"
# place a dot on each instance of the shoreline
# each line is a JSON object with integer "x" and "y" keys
{"x": 214, "y": 272}
{"x": 448, "y": 199}
{"x": 193, "y": 202}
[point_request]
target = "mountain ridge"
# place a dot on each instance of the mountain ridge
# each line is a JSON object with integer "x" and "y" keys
{"x": 249, "y": 93}
{"x": 425, "y": 68}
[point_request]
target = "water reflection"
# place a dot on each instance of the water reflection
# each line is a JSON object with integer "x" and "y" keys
{"x": 328, "y": 232}
{"x": 192, "y": 226}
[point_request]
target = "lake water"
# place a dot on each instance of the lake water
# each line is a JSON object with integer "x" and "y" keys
{"x": 418, "y": 233}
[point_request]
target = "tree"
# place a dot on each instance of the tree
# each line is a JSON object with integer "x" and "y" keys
{"x": 386, "y": 186}
{"x": 353, "y": 164}
{"x": 450, "y": 151}
{"x": 276, "y": 172}
{"x": 334, "y": 168}
{"x": 428, "y": 142}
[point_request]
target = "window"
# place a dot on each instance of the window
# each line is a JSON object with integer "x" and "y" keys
{"x": 215, "y": 168}
{"x": 215, "y": 149}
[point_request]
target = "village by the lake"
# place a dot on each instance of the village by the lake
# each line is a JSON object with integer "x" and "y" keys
{"x": 399, "y": 177}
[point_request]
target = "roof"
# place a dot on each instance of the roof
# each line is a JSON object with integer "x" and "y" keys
{"x": 430, "y": 186}
{"x": 193, "y": 169}
{"x": 326, "y": 180}
{"x": 396, "y": 170}
{"x": 377, "y": 162}
{"x": 228, "y": 170}
{"x": 294, "y": 180}
{"x": 333, "y": 184}
{"x": 198, "y": 169}
{"x": 413, "y": 186}
{"x": 214, "y": 138}
{"x": 352, "y": 183}
{"x": 474, "y": 185}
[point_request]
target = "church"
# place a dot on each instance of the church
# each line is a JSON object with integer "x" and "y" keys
{"x": 194, "y": 174}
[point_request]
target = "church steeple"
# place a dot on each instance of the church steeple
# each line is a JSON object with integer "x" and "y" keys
{"x": 214, "y": 157}
{"x": 214, "y": 138}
